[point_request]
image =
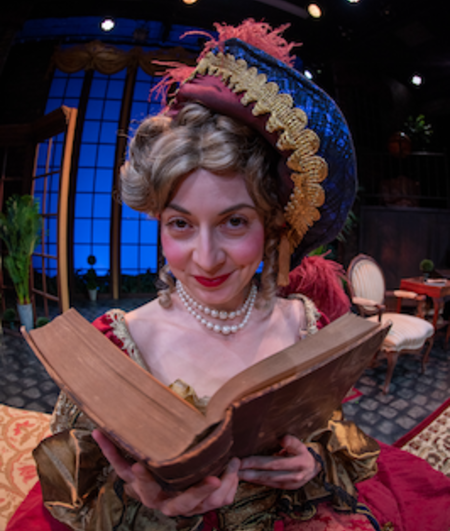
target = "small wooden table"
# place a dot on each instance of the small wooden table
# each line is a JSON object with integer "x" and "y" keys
{"x": 435, "y": 291}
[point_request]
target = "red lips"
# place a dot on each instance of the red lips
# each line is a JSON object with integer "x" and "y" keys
{"x": 212, "y": 282}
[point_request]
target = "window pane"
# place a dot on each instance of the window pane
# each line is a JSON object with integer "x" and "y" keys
{"x": 130, "y": 231}
{"x": 85, "y": 180}
{"x": 148, "y": 258}
{"x": 88, "y": 155}
{"x": 129, "y": 213}
{"x": 53, "y": 206}
{"x": 82, "y": 232}
{"x": 94, "y": 109}
{"x": 58, "y": 88}
{"x": 109, "y": 133}
{"x": 91, "y": 130}
{"x": 101, "y": 231}
{"x": 98, "y": 87}
{"x": 106, "y": 155}
{"x": 115, "y": 89}
{"x": 112, "y": 110}
{"x": 101, "y": 253}
{"x": 80, "y": 255}
{"x": 103, "y": 181}
{"x": 149, "y": 231}
{"x": 102, "y": 205}
{"x": 129, "y": 257}
{"x": 74, "y": 87}
{"x": 83, "y": 205}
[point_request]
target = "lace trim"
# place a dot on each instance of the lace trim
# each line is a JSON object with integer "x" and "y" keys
{"x": 121, "y": 331}
{"x": 308, "y": 169}
{"x": 312, "y": 315}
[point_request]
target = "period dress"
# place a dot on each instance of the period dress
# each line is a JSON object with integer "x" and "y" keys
{"x": 80, "y": 489}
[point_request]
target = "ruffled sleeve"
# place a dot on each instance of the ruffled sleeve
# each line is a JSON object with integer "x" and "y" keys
{"x": 347, "y": 456}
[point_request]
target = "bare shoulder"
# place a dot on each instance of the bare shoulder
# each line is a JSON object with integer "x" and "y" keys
{"x": 144, "y": 320}
{"x": 290, "y": 306}
{"x": 291, "y": 312}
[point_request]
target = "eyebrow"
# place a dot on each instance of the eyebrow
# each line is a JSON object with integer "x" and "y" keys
{"x": 232, "y": 208}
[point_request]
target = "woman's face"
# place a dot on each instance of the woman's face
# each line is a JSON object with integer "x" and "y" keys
{"x": 213, "y": 238}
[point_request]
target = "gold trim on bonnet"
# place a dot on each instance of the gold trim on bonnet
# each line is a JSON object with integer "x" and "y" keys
{"x": 308, "y": 169}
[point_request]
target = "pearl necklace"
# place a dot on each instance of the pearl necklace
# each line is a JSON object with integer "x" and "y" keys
{"x": 192, "y": 305}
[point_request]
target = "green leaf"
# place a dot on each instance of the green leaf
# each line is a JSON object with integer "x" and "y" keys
{"x": 20, "y": 229}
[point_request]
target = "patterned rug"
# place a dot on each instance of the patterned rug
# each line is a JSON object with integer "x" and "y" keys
{"x": 430, "y": 439}
{"x": 352, "y": 395}
{"x": 20, "y": 431}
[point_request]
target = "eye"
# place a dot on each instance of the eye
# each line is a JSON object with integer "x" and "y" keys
{"x": 236, "y": 222}
{"x": 178, "y": 224}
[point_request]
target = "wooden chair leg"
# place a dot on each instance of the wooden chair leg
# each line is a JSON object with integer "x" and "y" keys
{"x": 392, "y": 358}
{"x": 430, "y": 342}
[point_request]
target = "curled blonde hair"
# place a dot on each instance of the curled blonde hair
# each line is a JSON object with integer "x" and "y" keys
{"x": 165, "y": 150}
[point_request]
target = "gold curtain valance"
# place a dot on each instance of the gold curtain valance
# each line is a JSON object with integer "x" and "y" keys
{"x": 108, "y": 59}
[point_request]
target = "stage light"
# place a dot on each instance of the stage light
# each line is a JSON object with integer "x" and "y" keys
{"x": 308, "y": 74}
{"x": 417, "y": 80}
{"x": 314, "y": 10}
{"x": 107, "y": 24}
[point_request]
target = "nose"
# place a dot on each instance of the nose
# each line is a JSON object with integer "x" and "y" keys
{"x": 208, "y": 254}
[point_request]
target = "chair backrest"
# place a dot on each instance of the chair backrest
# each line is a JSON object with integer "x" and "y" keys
{"x": 366, "y": 279}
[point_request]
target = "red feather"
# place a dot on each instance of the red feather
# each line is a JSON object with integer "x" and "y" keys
{"x": 321, "y": 281}
{"x": 258, "y": 34}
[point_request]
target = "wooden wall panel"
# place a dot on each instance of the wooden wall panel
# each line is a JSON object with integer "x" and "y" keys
{"x": 399, "y": 238}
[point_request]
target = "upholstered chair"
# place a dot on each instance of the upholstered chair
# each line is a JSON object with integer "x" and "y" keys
{"x": 408, "y": 333}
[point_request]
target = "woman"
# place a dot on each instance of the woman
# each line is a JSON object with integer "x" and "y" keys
{"x": 236, "y": 172}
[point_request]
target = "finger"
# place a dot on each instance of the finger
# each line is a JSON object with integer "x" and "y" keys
{"x": 224, "y": 495}
{"x": 276, "y": 463}
{"x": 112, "y": 454}
{"x": 282, "y": 480}
{"x": 146, "y": 487}
{"x": 187, "y": 502}
{"x": 293, "y": 445}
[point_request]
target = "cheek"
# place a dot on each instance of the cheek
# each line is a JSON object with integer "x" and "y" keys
{"x": 252, "y": 250}
{"x": 174, "y": 251}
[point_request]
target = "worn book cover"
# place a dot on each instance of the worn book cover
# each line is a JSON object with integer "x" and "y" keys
{"x": 293, "y": 391}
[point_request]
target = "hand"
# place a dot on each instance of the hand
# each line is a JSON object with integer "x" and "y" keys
{"x": 292, "y": 469}
{"x": 211, "y": 493}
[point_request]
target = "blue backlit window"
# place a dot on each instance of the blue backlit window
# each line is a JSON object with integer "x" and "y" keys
{"x": 93, "y": 197}
{"x": 65, "y": 90}
{"x": 139, "y": 245}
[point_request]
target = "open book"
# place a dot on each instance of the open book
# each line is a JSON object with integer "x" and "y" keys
{"x": 293, "y": 392}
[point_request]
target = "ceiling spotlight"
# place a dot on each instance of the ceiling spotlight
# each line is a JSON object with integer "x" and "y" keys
{"x": 107, "y": 24}
{"x": 308, "y": 74}
{"x": 314, "y": 10}
{"x": 352, "y": 1}
{"x": 417, "y": 80}
{"x": 189, "y": 2}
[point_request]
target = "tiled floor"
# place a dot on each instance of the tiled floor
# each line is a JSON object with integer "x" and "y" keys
{"x": 24, "y": 383}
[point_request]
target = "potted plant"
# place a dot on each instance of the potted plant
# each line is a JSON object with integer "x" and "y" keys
{"x": 418, "y": 131}
{"x": 426, "y": 266}
{"x": 9, "y": 318}
{"x": 20, "y": 229}
{"x": 91, "y": 279}
{"x": 42, "y": 321}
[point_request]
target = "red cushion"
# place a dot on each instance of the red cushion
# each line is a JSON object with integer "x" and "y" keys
{"x": 31, "y": 515}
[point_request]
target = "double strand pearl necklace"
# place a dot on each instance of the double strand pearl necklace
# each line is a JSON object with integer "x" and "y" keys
{"x": 192, "y": 306}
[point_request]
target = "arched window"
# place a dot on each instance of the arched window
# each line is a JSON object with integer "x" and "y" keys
{"x": 112, "y": 100}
